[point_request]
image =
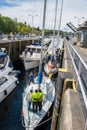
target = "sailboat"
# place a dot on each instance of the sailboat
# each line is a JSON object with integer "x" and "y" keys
{"x": 51, "y": 66}
{"x": 31, "y": 119}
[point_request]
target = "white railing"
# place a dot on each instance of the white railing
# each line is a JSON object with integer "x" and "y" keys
{"x": 80, "y": 69}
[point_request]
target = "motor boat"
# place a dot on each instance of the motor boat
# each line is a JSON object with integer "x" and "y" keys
{"x": 31, "y": 56}
{"x": 6, "y": 65}
{"x": 30, "y": 119}
{"x": 7, "y": 85}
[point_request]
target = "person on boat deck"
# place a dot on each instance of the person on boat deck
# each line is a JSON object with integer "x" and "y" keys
{"x": 52, "y": 58}
{"x": 29, "y": 99}
{"x": 31, "y": 51}
{"x": 31, "y": 77}
{"x": 34, "y": 99}
{"x": 25, "y": 51}
{"x": 40, "y": 99}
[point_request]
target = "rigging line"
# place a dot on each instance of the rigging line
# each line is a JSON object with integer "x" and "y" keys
{"x": 34, "y": 6}
{"x": 42, "y": 41}
{"x": 34, "y": 11}
{"x": 44, "y": 121}
{"x": 52, "y": 22}
{"x": 60, "y": 18}
{"x": 55, "y": 19}
{"x": 41, "y": 7}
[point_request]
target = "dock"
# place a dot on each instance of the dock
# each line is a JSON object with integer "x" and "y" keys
{"x": 72, "y": 115}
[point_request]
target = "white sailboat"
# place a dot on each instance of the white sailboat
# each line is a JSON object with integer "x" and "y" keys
{"x": 30, "y": 119}
{"x": 51, "y": 66}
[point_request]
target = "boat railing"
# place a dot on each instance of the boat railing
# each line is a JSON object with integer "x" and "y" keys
{"x": 80, "y": 71}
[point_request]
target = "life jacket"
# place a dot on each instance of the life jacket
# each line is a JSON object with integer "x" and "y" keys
{"x": 34, "y": 97}
{"x": 40, "y": 96}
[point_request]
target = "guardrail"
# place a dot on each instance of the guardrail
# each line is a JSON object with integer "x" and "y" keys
{"x": 80, "y": 69}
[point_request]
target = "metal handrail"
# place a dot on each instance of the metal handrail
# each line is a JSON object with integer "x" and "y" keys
{"x": 79, "y": 70}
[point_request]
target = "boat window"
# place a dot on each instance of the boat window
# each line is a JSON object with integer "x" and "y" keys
{"x": 3, "y": 80}
{"x": 38, "y": 50}
{"x": 2, "y": 60}
{"x": 2, "y": 64}
{"x": 31, "y": 49}
{"x": 5, "y": 60}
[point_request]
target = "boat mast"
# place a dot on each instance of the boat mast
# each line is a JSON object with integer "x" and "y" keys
{"x": 60, "y": 20}
{"x": 42, "y": 41}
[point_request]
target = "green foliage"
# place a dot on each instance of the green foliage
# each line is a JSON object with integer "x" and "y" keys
{"x": 7, "y": 25}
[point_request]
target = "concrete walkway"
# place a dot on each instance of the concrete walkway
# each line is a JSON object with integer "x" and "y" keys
{"x": 72, "y": 115}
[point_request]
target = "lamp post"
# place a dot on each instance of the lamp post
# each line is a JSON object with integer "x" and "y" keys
{"x": 79, "y": 18}
{"x": 32, "y": 20}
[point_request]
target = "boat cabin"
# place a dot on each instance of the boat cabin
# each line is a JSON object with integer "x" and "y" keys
{"x": 35, "y": 49}
{"x": 3, "y": 59}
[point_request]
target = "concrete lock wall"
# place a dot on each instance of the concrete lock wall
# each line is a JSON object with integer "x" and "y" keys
{"x": 71, "y": 115}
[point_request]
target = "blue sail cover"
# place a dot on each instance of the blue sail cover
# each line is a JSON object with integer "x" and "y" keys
{"x": 2, "y": 54}
{"x": 37, "y": 44}
{"x": 39, "y": 78}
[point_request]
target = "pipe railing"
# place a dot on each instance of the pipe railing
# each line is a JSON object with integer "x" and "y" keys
{"x": 80, "y": 68}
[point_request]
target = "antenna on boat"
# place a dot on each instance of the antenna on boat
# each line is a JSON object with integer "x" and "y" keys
{"x": 40, "y": 67}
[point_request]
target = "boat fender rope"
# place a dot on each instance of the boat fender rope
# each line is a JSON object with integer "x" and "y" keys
{"x": 44, "y": 121}
{"x": 5, "y": 92}
{"x": 50, "y": 75}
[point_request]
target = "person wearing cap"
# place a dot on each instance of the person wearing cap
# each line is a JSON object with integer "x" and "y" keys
{"x": 31, "y": 77}
{"x": 34, "y": 99}
{"x": 26, "y": 50}
{"x": 28, "y": 98}
{"x": 40, "y": 99}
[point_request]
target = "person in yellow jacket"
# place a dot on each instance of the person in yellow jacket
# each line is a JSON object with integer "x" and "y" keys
{"x": 34, "y": 99}
{"x": 40, "y": 99}
{"x": 29, "y": 99}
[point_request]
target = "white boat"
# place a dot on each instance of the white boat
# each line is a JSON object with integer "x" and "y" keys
{"x": 32, "y": 119}
{"x": 50, "y": 68}
{"x": 7, "y": 84}
{"x": 5, "y": 64}
{"x": 31, "y": 61}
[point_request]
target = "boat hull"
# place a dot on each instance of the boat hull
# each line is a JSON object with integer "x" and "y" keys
{"x": 31, "y": 64}
{"x": 32, "y": 119}
{"x": 7, "y": 89}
